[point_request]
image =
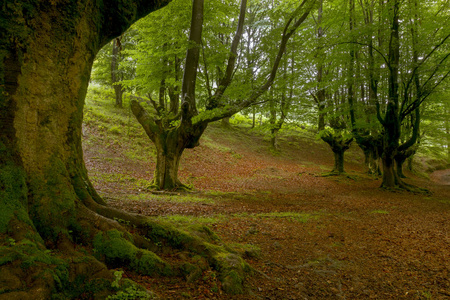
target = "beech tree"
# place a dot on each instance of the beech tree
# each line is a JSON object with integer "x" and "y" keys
{"x": 50, "y": 210}
{"x": 174, "y": 132}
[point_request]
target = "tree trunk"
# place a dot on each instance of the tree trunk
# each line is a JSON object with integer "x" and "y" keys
{"x": 273, "y": 138}
{"x": 47, "y": 200}
{"x": 447, "y": 131}
{"x": 371, "y": 160}
{"x": 166, "y": 172}
{"x": 402, "y": 156}
{"x": 371, "y": 146}
{"x": 391, "y": 122}
{"x": 390, "y": 177}
{"x": 338, "y": 145}
{"x": 115, "y": 76}
{"x": 254, "y": 122}
{"x": 338, "y": 161}
{"x": 170, "y": 144}
{"x": 399, "y": 166}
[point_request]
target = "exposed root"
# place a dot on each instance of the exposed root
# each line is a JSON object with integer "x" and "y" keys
{"x": 403, "y": 186}
{"x": 114, "y": 244}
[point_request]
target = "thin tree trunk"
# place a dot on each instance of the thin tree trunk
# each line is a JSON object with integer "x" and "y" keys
{"x": 447, "y": 130}
{"x": 115, "y": 76}
{"x": 254, "y": 121}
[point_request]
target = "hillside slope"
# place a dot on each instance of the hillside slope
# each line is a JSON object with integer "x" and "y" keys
{"x": 307, "y": 236}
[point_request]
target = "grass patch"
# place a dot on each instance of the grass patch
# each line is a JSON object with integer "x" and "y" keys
{"x": 379, "y": 211}
{"x": 170, "y": 198}
{"x": 184, "y": 220}
{"x": 291, "y": 216}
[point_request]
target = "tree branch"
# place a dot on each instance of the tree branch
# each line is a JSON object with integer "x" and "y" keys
{"x": 144, "y": 118}
{"x": 226, "y": 79}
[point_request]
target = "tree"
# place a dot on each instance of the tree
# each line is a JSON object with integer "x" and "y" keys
{"x": 330, "y": 98}
{"x": 111, "y": 66}
{"x": 49, "y": 207}
{"x": 173, "y": 133}
{"x": 395, "y": 113}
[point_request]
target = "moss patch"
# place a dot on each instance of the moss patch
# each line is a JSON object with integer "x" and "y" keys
{"x": 13, "y": 195}
{"x": 117, "y": 250}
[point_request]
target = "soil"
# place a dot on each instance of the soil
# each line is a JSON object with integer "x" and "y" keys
{"x": 321, "y": 237}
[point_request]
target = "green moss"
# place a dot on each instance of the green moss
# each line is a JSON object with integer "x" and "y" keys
{"x": 191, "y": 272}
{"x": 30, "y": 256}
{"x": 204, "y": 232}
{"x": 53, "y": 207}
{"x": 231, "y": 266}
{"x": 175, "y": 237}
{"x": 116, "y": 249}
{"x": 232, "y": 283}
{"x": 13, "y": 195}
{"x": 232, "y": 269}
{"x": 247, "y": 250}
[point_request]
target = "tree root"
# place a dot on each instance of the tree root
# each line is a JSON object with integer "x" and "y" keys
{"x": 77, "y": 266}
{"x": 403, "y": 186}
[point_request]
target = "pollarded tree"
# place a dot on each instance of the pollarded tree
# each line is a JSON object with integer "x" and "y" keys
{"x": 49, "y": 207}
{"x": 330, "y": 97}
{"x": 172, "y": 134}
{"x": 432, "y": 66}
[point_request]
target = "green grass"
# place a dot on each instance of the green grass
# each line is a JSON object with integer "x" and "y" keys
{"x": 379, "y": 211}
{"x": 291, "y": 216}
{"x": 183, "y": 219}
{"x": 170, "y": 198}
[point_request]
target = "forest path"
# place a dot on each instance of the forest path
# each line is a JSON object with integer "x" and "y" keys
{"x": 441, "y": 177}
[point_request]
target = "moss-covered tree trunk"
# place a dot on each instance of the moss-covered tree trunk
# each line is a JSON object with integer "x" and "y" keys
{"x": 168, "y": 156}
{"x": 46, "y": 52}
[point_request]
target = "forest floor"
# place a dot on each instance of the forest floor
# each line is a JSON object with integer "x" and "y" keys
{"x": 337, "y": 237}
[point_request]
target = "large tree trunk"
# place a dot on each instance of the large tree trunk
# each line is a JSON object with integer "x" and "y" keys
{"x": 167, "y": 162}
{"x": 338, "y": 162}
{"x": 170, "y": 144}
{"x": 390, "y": 177}
{"x": 48, "y": 203}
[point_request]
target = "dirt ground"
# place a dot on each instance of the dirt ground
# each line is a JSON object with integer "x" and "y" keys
{"x": 319, "y": 237}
